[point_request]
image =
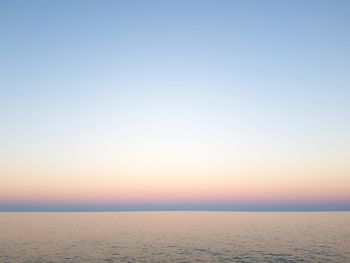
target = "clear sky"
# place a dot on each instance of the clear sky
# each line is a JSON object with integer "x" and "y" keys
{"x": 174, "y": 105}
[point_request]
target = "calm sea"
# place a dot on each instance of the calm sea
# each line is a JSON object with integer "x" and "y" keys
{"x": 175, "y": 237}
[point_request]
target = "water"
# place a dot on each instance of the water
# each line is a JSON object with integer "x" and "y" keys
{"x": 175, "y": 237}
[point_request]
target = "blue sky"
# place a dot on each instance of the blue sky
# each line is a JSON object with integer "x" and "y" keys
{"x": 154, "y": 84}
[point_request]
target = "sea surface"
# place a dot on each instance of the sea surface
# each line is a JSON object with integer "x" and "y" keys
{"x": 175, "y": 237}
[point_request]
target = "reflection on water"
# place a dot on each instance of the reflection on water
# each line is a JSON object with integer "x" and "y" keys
{"x": 175, "y": 237}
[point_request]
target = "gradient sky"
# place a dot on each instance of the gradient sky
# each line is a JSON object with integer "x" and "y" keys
{"x": 180, "y": 105}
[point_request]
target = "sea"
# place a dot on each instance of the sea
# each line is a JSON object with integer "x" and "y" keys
{"x": 175, "y": 237}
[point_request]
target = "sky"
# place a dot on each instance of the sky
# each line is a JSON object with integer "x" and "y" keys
{"x": 174, "y": 105}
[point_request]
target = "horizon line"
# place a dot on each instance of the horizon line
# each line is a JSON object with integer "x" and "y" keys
{"x": 170, "y": 210}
